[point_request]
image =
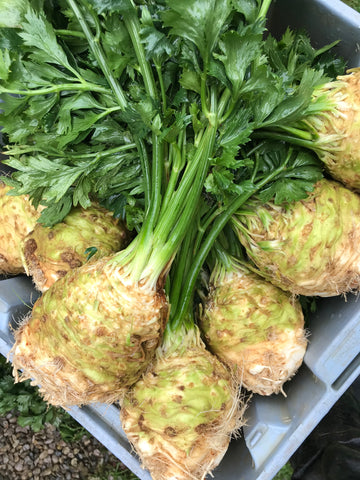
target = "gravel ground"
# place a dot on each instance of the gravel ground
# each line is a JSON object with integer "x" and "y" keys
{"x": 45, "y": 455}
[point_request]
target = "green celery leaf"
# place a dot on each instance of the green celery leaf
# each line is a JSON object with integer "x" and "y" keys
{"x": 170, "y": 74}
{"x": 86, "y": 173}
{"x": 221, "y": 183}
{"x": 82, "y": 191}
{"x": 195, "y": 113}
{"x": 263, "y": 92}
{"x": 10, "y": 106}
{"x": 199, "y": 21}
{"x": 117, "y": 45}
{"x": 302, "y": 171}
{"x": 79, "y": 101}
{"x": 294, "y": 106}
{"x": 157, "y": 45}
{"x": 39, "y": 172}
{"x": 190, "y": 80}
{"x": 19, "y": 128}
{"x": 38, "y": 32}
{"x": 189, "y": 56}
{"x": 24, "y": 402}
{"x": 117, "y": 174}
{"x": 138, "y": 118}
{"x": 294, "y": 52}
{"x": 260, "y": 79}
{"x": 108, "y": 131}
{"x": 39, "y": 106}
{"x": 249, "y": 8}
{"x": 238, "y": 50}
{"x": 237, "y": 129}
{"x": 116, "y": 204}
{"x": 42, "y": 74}
{"x": 181, "y": 96}
{"x": 134, "y": 214}
{"x": 93, "y": 77}
{"x": 74, "y": 128}
{"x": 181, "y": 120}
{"x": 56, "y": 212}
{"x": 217, "y": 70}
{"x": 10, "y": 40}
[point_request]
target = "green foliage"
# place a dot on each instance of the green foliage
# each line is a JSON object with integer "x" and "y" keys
{"x": 85, "y": 142}
{"x": 59, "y": 167}
{"x": 293, "y": 54}
{"x": 292, "y": 183}
{"x": 200, "y": 25}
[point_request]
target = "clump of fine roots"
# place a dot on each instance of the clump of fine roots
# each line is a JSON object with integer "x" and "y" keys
{"x": 50, "y": 252}
{"x": 90, "y": 336}
{"x": 17, "y": 218}
{"x": 181, "y": 415}
{"x": 309, "y": 247}
{"x": 255, "y": 328}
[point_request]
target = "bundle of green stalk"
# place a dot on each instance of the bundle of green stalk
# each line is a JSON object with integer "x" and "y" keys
{"x": 148, "y": 108}
{"x": 181, "y": 415}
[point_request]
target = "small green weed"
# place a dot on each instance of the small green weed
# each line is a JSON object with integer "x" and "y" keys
{"x": 285, "y": 473}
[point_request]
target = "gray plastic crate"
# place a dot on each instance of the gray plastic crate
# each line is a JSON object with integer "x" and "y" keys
{"x": 276, "y": 425}
{"x": 325, "y": 20}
